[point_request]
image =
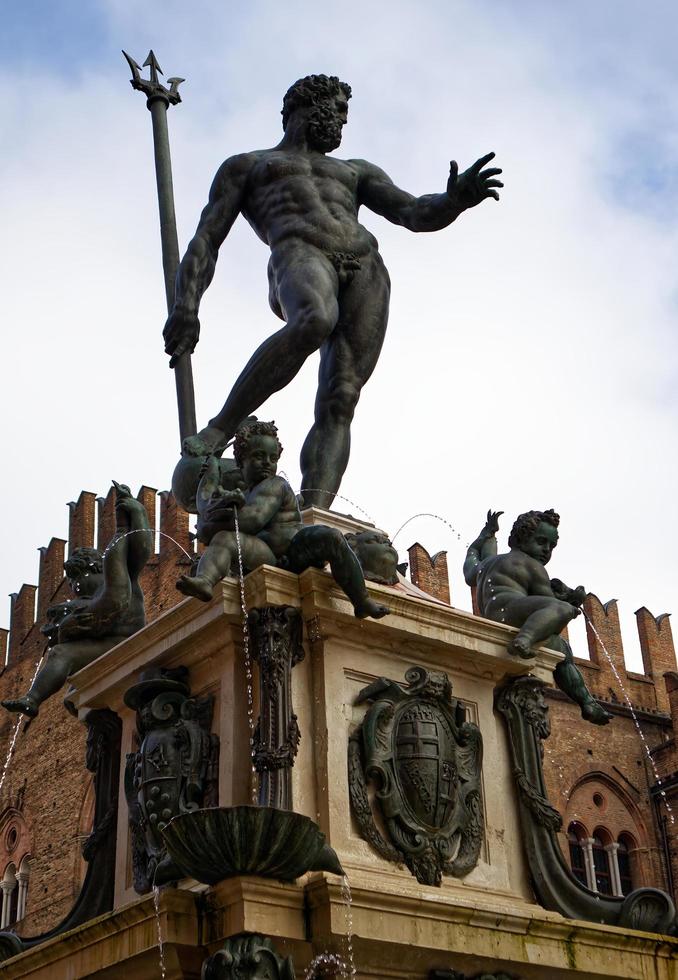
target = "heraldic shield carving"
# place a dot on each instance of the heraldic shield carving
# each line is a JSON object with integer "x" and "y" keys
{"x": 424, "y": 760}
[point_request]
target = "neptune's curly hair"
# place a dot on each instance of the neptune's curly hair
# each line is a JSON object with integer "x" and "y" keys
{"x": 311, "y": 91}
{"x": 526, "y": 524}
{"x": 246, "y": 432}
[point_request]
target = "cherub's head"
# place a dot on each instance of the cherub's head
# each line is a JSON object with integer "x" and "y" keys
{"x": 257, "y": 450}
{"x": 84, "y": 571}
{"x": 377, "y": 556}
{"x": 536, "y": 534}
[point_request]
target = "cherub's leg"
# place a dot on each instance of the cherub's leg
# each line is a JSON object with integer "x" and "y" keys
{"x": 62, "y": 661}
{"x": 538, "y": 618}
{"x": 315, "y": 545}
{"x": 571, "y": 681}
{"x": 214, "y": 564}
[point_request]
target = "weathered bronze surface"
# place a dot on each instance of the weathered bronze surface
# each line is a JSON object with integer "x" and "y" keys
{"x": 425, "y": 761}
{"x": 221, "y": 842}
{"x": 269, "y": 526}
{"x": 515, "y": 589}
{"x": 523, "y": 705}
{"x": 108, "y": 604}
{"x": 248, "y": 956}
{"x": 377, "y": 556}
{"x": 174, "y": 770}
{"x": 326, "y": 278}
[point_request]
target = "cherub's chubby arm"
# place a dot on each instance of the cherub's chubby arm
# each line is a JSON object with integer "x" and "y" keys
{"x": 195, "y": 272}
{"x": 575, "y": 597}
{"x": 484, "y": 546}
{"x": 431, "y": 212}
{"x": 262, "y": 503}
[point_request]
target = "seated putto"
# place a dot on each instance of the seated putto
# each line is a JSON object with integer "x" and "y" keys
{"x": 515, "y": 589}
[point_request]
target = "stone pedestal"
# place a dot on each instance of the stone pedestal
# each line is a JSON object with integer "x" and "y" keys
{"x": 485, "y": 922}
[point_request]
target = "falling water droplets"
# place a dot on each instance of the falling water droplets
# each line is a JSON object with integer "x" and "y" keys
{"x": 17, "y": 726}
{"x": 144, "y": 530}
{"x": 248, "y": 660}
{"x": 158, "y": 925}
{"x": 338, "y": 496}
{"x": 436, "y": 517}
{"x": 644, "y": 741}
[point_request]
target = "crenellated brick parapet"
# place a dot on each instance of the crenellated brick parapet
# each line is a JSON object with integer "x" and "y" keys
{"x": 429, "y": 573}
{"x": 92, "y": 523}
{"x": 606, "y": 672}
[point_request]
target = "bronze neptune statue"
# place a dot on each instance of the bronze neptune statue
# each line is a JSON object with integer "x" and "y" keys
{"x": 326, "y": 278}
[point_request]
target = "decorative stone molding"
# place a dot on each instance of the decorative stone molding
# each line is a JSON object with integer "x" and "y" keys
{"x": 276, "y": 633}
{"x": 425, "y": 760}
{"x": 248, "y": 956}
{"x": 524, "y": 707}
{"x": 173, "y": 770}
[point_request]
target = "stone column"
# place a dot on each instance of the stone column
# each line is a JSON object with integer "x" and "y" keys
{"x": 611, "y": 850}
{"x": 7, "y": 889}
{"x": 22, "y": 877}
{"x": 587, "y": 845}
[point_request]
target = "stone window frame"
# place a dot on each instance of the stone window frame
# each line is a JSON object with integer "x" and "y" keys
{"x": 14, "y": 887}
{"x": 601, "y": 845}
{"x": 576, "y": 837}
{"x": 632, "y": 828}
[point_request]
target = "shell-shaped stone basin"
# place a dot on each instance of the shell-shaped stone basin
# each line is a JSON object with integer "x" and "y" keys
{"x": 221, "y": 842}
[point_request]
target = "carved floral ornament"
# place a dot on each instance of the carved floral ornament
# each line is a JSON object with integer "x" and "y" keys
{"x": 425, "y": 762}
{"x": 248, "y": 956}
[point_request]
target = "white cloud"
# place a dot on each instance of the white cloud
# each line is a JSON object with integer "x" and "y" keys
{"x": 531, "y": 354}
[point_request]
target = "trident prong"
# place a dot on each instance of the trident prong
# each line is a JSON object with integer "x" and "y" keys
{"x": 158, "y": 100}
{"x": 152, "y": 87}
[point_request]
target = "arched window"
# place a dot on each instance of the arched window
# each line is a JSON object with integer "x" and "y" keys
{"x": 575, "y": 837}
{"x": 601, "y": 862}
{"x": 626, "y": 845}
{"x": 10, "y": 897}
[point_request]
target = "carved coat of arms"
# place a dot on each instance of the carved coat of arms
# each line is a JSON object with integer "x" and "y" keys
{"x": 424, "y": 760}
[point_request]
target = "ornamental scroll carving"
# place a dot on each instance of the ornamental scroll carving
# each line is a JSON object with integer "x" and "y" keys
{"x": 424, "y": 760}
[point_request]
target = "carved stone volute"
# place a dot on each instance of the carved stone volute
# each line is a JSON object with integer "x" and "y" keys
{"x": 248, "y": 956}
{"x": 524, "y": 707}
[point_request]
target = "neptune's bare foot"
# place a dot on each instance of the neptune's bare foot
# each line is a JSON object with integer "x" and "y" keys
{"x": 368, "y": 607}
{"x": 520, "y": 646}
{"x": 197, "y": 586}
{"x": 25, "y": 705}
{"x": 205, "y": 442}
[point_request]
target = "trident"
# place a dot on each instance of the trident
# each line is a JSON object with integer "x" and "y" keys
{"x": 158, "y": 100}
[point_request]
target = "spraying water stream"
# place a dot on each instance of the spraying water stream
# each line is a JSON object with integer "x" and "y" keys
{"x": 646, "y": 746}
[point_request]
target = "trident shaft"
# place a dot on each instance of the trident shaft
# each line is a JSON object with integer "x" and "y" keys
{"x": 158, "y": 100}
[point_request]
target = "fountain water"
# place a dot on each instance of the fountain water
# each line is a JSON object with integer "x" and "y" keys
{"x": 17, "y": 726}
{"x": 248, "y": 661}
{"x": 158, "y": 924}
{"x": 641, "y": 734}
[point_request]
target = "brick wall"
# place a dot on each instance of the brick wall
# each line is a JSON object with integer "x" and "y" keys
{"x": 429, "y": 573}
{"x": 47, "y": 785}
